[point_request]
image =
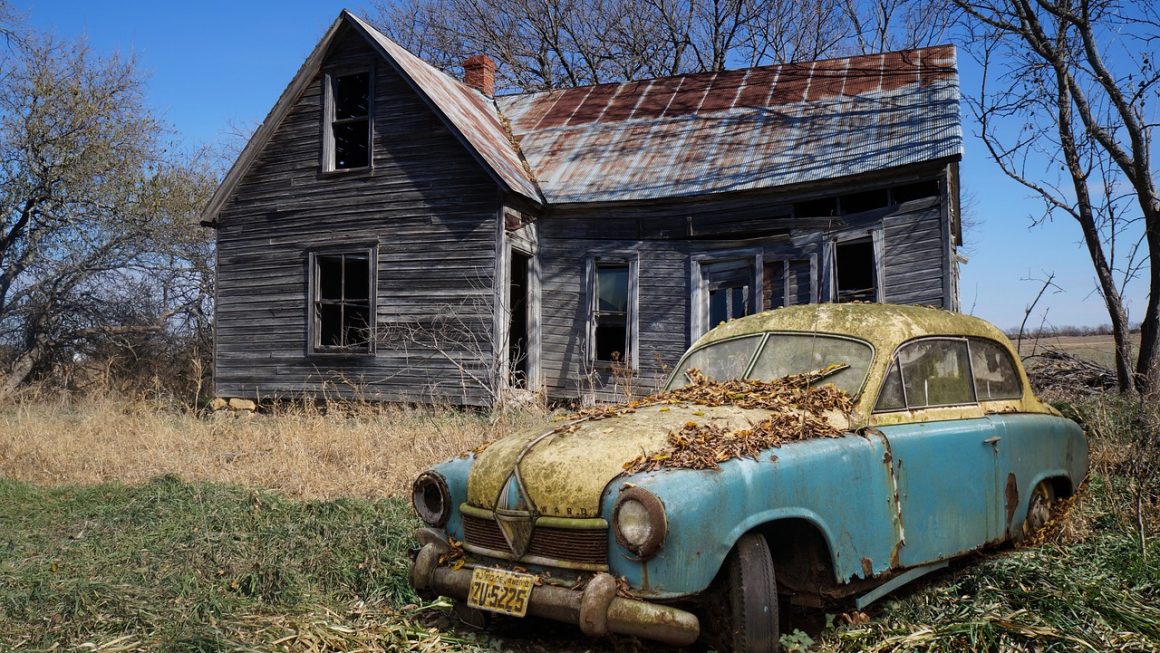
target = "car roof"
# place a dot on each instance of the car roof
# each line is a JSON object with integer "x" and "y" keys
{"x": 884, "y": 325}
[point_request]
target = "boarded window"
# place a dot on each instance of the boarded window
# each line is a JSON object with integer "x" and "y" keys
{"x": 350, "y": 124}
{"x": 343, "y": 306}
{"x": 994, "y": 371}
{"x": 611, "y": 314}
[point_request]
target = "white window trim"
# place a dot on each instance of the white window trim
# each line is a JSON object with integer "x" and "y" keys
{"x": 698, "y": 319}
{"x": 328, "y": 152}
{"x": 632, "y": 260}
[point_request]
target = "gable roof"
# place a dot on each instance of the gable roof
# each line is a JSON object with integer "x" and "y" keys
{"x": 679, "y": 136}
{"x": 740, "y": 130}
{"x": 473, "y": 119}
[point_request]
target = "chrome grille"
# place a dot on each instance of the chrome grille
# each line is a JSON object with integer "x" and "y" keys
{"x": 586, "y": 545}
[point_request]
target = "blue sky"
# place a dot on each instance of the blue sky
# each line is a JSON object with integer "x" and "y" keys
{"x": 218, "y": 67}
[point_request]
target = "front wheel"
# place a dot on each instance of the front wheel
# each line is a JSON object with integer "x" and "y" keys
{"x": 749, "y": 619}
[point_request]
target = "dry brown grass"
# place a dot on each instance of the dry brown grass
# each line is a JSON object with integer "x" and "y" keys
{"x": 366, "y": 452}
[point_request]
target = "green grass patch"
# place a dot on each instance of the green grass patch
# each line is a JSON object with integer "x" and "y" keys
{"x": 171, "y": 566}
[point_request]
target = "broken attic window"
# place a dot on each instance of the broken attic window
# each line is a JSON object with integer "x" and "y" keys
{"x": 865, "y": 201}
{"x": 350, "y": 127}
{"x": 611, "y": 316}
{"x": 342, "y": 302}
{"x": 918, "y": 190}
{"x": 824, "y": 207}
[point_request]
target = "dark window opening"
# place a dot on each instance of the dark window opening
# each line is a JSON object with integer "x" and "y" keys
{"x": 865, "y": 201}
{"x": 824, "y": 207}
{"x": 611, "y": 316}
{"x": 729, "y": 285}
{"x": 350, "y": 126}
{"x": 915, "y": 191}
{"x": 774, "y": 280}
{"x": 342, "y": 302}
{"x": 518, "y": 299}
{"x": 855, "y": 271}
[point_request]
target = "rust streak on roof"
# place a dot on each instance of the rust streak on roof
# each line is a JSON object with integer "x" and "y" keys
{"x": 736, "y": 130}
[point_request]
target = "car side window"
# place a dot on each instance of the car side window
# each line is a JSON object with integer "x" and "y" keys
{"x": 936, "y": 373}
{"x": 994, "y": 371}
{"x": 891, "y": 397}
{"x": 928, "y": 373}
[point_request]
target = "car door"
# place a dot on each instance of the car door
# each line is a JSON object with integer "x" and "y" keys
{"x": 944, "y": 452}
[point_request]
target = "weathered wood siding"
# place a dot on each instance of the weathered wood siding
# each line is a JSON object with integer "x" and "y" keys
{"x": 429, "y": 208}
{"x": 667, "y": 238}
{"x": 916, "y": 244}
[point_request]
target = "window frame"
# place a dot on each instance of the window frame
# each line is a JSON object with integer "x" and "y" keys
{"x": 313, "y": 328}
{"x": 329, "y": 82}
{"x": 970, "y": 369}
{"x": 698, "y": 283}
{"x": 631, "y": 329}
{"x": 1010, "y": 360}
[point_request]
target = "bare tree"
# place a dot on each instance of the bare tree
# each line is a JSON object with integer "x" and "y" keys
{"x": 562, "y": 43}
{"x": 1065, "y": 110}
{"x": 97, "y": 239}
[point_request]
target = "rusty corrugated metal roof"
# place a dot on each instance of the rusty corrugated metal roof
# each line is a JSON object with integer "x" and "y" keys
{"x": 473, "y": 115}
{"x": 740, "y": 130}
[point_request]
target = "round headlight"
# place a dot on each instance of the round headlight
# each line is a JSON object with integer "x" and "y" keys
{"x": 639, "y": 518}
{"x": 431, "y": 499}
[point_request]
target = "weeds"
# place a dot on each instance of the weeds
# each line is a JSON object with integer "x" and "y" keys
{"x": 361, "y": 450}
{"x": 202, "y": 567}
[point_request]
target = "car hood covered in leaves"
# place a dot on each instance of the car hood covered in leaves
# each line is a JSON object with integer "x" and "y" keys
{"x": 564, "y": 471}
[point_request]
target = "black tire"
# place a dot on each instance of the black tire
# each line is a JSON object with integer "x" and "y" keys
{"x": 749, "y": 622}
{"x": 1038, "y": 510}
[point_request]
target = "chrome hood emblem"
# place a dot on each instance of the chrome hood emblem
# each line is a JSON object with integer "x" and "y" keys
{"x": 513, "y": 515}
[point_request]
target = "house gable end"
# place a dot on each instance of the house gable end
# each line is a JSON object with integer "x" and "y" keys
{"x": 343, "y": 32}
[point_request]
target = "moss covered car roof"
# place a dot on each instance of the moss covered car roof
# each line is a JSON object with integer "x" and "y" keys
{"x": 883, "y": 325}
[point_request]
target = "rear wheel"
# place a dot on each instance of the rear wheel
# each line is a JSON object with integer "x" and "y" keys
{"x": 1038, "y": 509}
{"x": 749, "y": 616}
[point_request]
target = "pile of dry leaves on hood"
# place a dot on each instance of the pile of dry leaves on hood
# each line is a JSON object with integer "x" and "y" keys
{"x": 797, "y": 412}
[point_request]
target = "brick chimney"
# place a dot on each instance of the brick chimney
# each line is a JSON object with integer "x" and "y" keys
{"x": 479, "y": 73}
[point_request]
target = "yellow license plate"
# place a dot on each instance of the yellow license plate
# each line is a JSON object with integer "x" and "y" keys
{"x": 496, "y": 590}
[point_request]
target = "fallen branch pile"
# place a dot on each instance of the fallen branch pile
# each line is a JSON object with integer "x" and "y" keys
{"x": 1055, "y": 372}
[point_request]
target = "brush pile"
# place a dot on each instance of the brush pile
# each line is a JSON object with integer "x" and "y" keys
{"x": 1058, "y": 373}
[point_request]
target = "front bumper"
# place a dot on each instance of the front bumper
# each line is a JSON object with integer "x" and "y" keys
{"x": 596, "y": 609}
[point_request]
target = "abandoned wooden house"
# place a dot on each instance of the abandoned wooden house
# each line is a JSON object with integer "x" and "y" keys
{"x": 395, "y": 232}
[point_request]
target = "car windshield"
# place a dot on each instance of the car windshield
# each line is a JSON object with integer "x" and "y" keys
{"x": 782, "y": 354}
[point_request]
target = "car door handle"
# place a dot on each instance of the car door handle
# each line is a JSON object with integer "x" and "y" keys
{"x": 993, "y": 440}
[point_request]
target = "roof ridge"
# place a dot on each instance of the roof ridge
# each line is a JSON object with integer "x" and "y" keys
{"x": 730, "y": 70}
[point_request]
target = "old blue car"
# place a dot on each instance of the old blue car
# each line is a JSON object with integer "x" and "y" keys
{"x": 809, "y": 455}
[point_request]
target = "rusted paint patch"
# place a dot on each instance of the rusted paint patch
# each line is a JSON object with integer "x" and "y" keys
{"x": 867, "y": 568}
{"x": 1012, "y": 495}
